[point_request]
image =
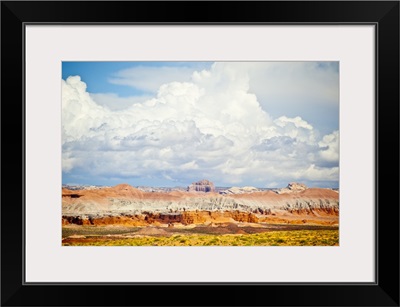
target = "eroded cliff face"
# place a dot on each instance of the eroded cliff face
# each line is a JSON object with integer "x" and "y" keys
{"x": 126, "y": 205}
{"x": 147, "y": 218}
{"x": 203, "y": 217}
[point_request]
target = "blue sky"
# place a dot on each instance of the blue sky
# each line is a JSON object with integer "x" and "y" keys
{"x": 97, "y": 75}
{"x": 171, "y": 123}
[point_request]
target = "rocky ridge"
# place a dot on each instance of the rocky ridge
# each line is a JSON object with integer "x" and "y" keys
{"x": 239, "y": 190}
{"x": 126, "y": 204}
{"x": 292, "y": 187}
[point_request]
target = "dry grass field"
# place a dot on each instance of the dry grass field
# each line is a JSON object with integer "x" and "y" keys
{"x": 160, "y": 237}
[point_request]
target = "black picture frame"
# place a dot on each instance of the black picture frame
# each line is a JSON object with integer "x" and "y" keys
{"x": 383, "y": 14}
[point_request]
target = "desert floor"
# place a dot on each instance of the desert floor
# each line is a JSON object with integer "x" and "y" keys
{"x": 223, "y": 234}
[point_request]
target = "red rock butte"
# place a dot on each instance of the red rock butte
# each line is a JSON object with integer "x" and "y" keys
{"x": 202, "y": 186}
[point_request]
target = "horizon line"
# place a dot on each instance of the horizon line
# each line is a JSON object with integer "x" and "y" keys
{"x": 185, "y": 186}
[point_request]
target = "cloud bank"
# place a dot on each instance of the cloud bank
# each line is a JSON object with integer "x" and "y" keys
{"x": 211, "y": 126}
{"x": 282, "y": 88}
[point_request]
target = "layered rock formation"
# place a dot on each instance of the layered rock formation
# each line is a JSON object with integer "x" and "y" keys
{"x": 202, "y": 186}
{"x": 124, "y": 204}
{"x": 146, "y": 218}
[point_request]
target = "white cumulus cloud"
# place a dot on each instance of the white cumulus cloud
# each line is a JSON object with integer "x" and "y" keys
{"x": 114, "y": 102}
{"x": 208, "y": 126}
{"x": 330, "y": 147}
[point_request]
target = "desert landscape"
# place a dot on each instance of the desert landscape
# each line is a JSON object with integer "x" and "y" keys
{"x": 200, "y": 153}
{"x": 200, "y": 215}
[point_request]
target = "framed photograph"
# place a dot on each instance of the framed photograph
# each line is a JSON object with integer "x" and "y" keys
{"x": 241, "y": 153}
